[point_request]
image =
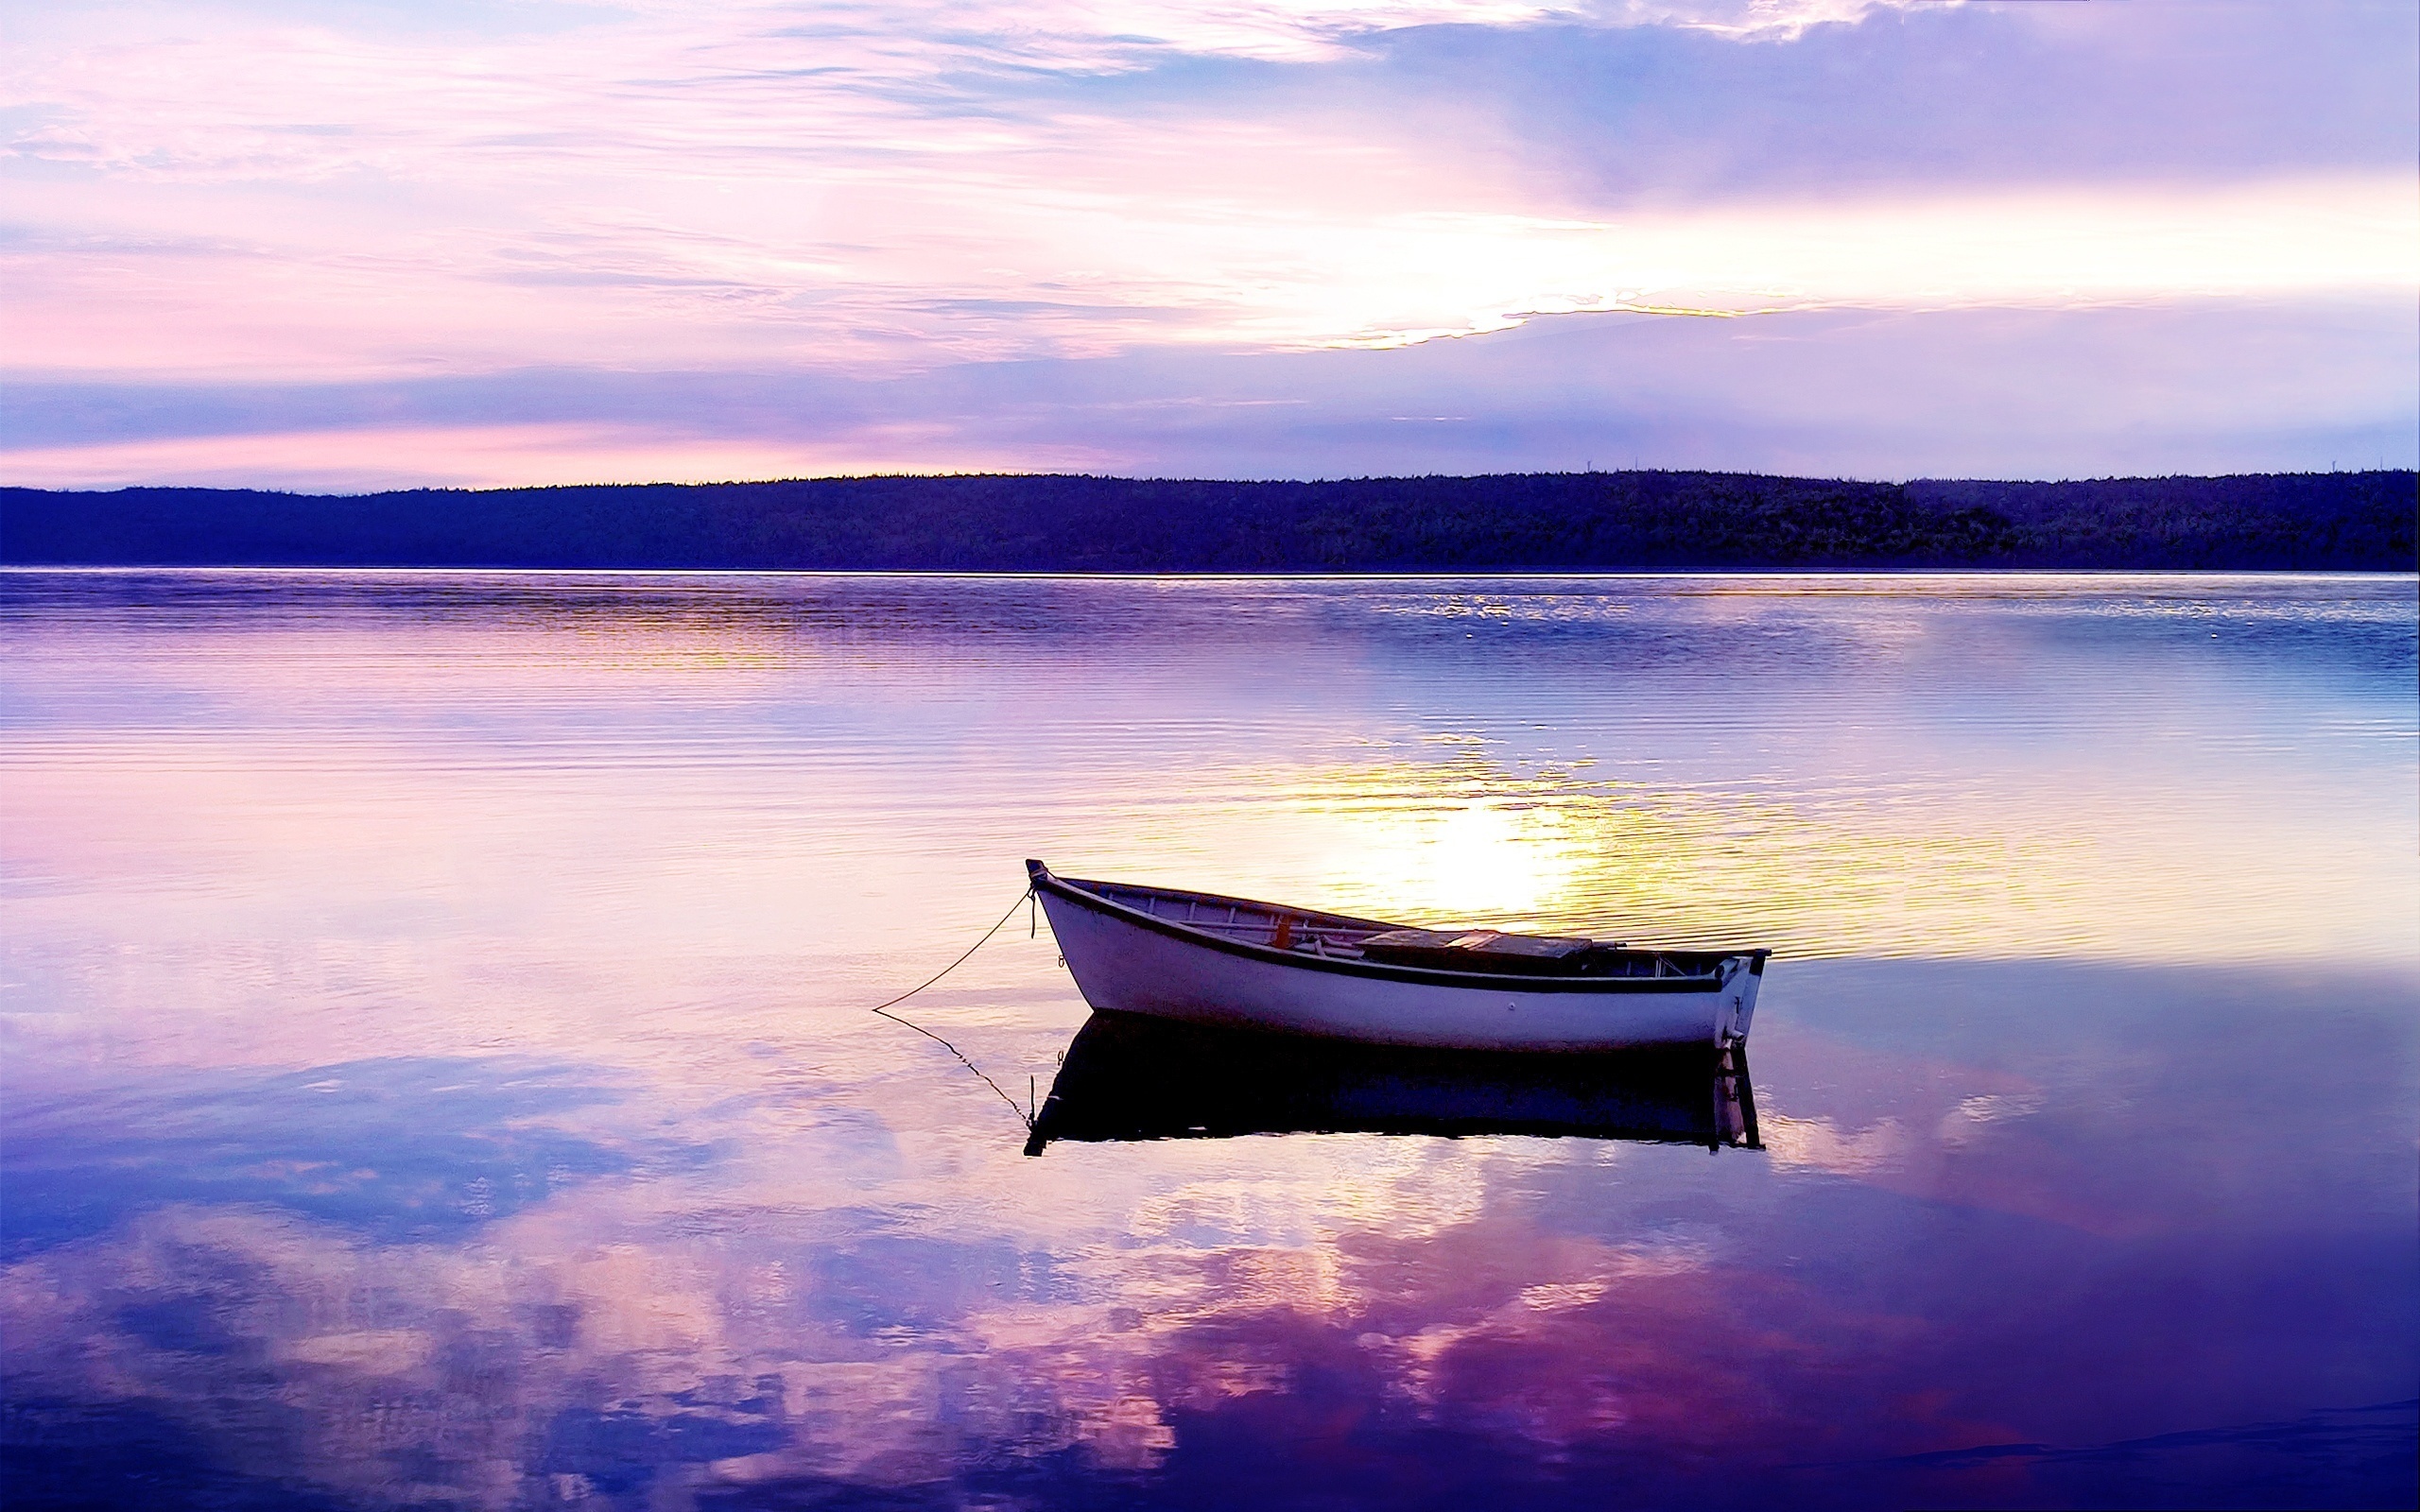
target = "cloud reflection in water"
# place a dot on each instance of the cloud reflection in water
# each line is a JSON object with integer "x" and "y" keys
{"x": 1360, "y": 1312}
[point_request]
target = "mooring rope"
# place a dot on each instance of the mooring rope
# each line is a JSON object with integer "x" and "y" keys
{"x": 1024, "y": 1115}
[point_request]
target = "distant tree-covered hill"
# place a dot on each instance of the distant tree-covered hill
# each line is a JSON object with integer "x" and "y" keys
{"x": 1061, "y": 523}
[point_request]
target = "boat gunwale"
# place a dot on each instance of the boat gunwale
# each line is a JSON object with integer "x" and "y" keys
{"x": 1075, "y": 891}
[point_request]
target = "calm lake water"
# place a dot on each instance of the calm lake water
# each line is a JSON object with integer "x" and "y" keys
{"x": 437, "y": 1070}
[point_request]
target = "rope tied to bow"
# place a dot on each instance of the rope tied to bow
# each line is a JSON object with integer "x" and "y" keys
{"x": 1025, "y": 1115}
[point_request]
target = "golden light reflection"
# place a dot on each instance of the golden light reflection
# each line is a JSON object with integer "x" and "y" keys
{"x": 1501, "y": 858}
{"x": 2039, "y": 866}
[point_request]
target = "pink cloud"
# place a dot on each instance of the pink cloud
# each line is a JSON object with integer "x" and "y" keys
{"x": 357, "y": 460}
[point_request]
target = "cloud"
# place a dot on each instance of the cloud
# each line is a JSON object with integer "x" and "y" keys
{"x": 2211, "y": 386}
{"x": 1954, "y": 100}
{"x": 308, "y": 193}
{"x": 895, "y": 281}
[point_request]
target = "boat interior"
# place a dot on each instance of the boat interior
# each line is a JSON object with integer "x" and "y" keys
{"x": 1340, "y": 937}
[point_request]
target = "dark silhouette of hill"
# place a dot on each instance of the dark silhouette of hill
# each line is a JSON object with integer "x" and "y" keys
{"x": 1061, "y": 523}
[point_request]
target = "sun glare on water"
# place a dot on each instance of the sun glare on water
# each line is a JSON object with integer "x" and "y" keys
{"x": 1479, "y": 859}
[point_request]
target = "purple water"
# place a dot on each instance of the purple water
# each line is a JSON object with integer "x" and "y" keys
{"x": 438, "y": 1074}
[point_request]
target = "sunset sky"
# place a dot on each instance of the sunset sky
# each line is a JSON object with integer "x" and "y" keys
{"x": 351, "y": 244}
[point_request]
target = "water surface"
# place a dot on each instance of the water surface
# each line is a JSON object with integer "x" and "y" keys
{"x": 437, "y": 1070}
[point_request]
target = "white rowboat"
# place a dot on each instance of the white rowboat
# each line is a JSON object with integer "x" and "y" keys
{"x": 1206, "y": 959}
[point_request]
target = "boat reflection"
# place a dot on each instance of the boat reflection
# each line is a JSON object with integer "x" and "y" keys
{"x": 1127, "y": 1076}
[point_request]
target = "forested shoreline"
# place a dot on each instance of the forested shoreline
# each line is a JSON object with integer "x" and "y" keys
{"x": 1017, "y": 522}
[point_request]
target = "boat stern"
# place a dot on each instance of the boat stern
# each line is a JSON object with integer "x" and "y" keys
{"x": 1742, "y": 974}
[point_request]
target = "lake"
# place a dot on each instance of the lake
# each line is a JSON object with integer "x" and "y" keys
{"x": 438, "y": 1072}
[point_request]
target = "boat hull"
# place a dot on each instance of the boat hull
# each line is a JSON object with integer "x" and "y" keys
{"x": 1126, "y": 963}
